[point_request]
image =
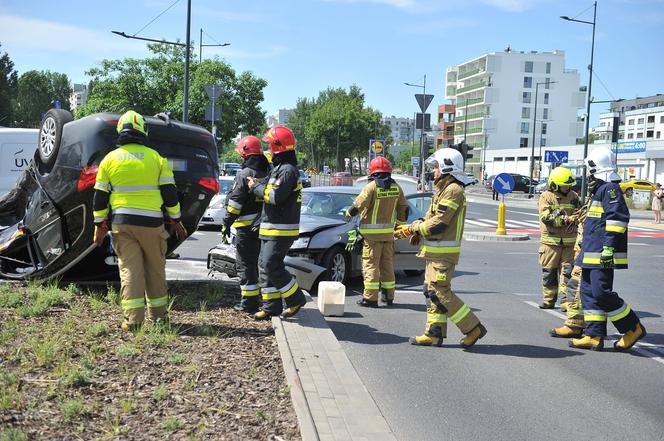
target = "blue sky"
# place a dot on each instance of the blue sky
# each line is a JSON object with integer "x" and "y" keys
{"x": 303, "y": 46}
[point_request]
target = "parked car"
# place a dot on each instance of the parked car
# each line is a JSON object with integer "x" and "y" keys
{"x": 306, "y": 180}
{"x": 407, "y": 183}
{"x": 628, "y": 187}
{"x": 229, "y": 168}
{"x": 214, "y": 215}
{"x": 319, "y": 252}
{"x": 341, "y": 178}
{"x": 46, "y": 223}
{"x": 521, "y": 182}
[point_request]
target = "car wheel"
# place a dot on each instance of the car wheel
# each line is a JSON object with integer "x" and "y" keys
{"x": 336, "y": 263}
{"x": 413, "y": 273}
{"x": 50, "y": 135}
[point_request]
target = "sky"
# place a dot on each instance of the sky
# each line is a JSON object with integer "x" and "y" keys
{"x": 304, "y": 46}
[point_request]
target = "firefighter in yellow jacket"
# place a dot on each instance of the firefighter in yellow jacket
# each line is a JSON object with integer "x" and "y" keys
{"x": 381, "y": 205}
{"x": 439, "y": 235}
{"x": 132, "y": 184}
{"x": 558, "y": 228}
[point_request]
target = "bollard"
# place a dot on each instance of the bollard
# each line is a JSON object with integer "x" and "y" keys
{"x": 500, "y": 230}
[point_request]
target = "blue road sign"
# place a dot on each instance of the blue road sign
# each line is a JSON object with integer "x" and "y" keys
{"x": 628, "y": 147}
{"x": 415, "y": 161}
{"x": 376, "y": 147}
{"x": 559, "y": 156}
{"x": 503, "y": 183}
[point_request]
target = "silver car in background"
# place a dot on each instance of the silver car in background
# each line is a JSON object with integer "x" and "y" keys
{"x": 214, "y": 215}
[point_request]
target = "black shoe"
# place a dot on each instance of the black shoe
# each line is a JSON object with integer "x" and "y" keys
{"x": 368, "y": 303}
{"x": 239, "y": 307}
{"x": 291, "y": 311}
{"x": 546, "y": 306}
{"x": 387, "y": 301}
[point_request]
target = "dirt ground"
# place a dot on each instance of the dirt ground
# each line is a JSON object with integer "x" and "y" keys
{"x": 67, "y": 371}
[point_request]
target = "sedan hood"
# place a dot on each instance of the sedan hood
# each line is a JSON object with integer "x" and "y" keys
{"x": 310, "y": 224}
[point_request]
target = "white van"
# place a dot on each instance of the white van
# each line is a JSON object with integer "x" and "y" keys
{"x": 17, "y": 147}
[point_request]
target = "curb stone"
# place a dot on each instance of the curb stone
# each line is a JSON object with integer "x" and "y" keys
{"x": 491, "y": 236}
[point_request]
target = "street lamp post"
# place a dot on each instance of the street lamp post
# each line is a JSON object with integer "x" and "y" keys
{"x": 532, "y": 148}
{"x": 422, "y": 153}
{"x": 590, "y": 85}
{"x": 201, "y": 46}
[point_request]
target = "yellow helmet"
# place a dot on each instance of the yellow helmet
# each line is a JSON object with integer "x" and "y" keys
{"x": 132, "y": 121}
{"x": 560, "y": 177}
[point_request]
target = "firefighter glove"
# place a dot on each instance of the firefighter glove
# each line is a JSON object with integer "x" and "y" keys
{"x": 606, "y": 258}
{"x": 179, "y": 230}
{"x": 403, "y": 232}
{"x": 352, "y": 239}
{"x": 100, "y": 233}
{"x": 225, "y": 234}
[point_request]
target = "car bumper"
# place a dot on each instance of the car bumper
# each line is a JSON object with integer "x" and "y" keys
{"x": 212, "y": 216}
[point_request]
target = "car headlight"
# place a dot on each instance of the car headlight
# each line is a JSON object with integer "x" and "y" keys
{"x": 219, "y": 203}
{"x": 301, "y": 242}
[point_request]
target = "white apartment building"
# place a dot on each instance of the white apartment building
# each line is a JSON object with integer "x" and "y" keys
{"x": 645, "y": 124}
{"x": 401, "y": 128}
{"x": 283, "y": 116}
{"x": 495, "y": 98}
{"x": 79, "y": 96}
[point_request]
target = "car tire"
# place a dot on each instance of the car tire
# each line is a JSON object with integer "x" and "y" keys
{"x": 337, "y": 265}
{"x": 413, "y": 273}
{"x": 50, "y": 136}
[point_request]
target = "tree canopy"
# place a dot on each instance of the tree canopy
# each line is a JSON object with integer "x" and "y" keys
{"x": 337, "y": 120}
{"x": 8, "y": 85}
{"x": 154, "y": 84}
{"x": 36, "y": 93}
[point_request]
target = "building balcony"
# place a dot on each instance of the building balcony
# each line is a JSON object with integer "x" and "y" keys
{"x": 469, "y": 73}
{"x": 475, "y": 86}
{"x": 650, "y": 125}
{"x": 458, "y": 130}
{"x": 471, "y": 116}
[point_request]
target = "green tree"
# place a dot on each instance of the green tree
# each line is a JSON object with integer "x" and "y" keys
{"x": 36, "y": 92}
{"x": 8, "y": 87}
{"x": 154, "y": 84}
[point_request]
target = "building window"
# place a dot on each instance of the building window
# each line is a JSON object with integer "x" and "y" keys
{"x": 542, "y": 142}
{"x": 545, "y": 113}
{"x": 639, "y": 135}
{"x": 650, "y": 133}
{"x": 525, "y": 127}
{"x": 525, "y": 112}
{"x": 658, "y": 134}
{"x": 640, "y": 121}
{"x": 543, "y": 128}
{"x": 523, "y": 142}
{"x": 546, "y": 98}
{"x": 529, "y": 66}
{"x": 526, "y": 97}
{"x": 498, "y": 159}
{"x": 630, "y": 136}
{"x": 548, "y": 67}
{"x": 651, "y": 118}
{"x": 630, "y": 122}
{"x": 509, "y": 158}
{"x": 527, "y": 82}
{"x": 661, "y": 119}
{"x": 547, "y": 83}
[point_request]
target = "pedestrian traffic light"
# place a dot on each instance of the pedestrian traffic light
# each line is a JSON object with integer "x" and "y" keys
{"x": 429, "y": 144}
{"x": 464, "y": 149}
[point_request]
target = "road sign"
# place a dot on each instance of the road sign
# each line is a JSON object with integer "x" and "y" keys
{"x": 212, "y": 114}
{"x": 415, "y": 161}
{"x": 503, "y": 183}
{"x": 628, "y": 147}
{"x": 559, "y": 156}
{"x": 376, "y": 147}
{"x": 213, "y": 91}
{"x": 419, "y": 122}
{"x": 423, "y": 100}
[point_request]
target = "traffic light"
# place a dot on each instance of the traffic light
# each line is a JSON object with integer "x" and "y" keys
{"x": 429, "y": 145}
{"x": 464, "y": 149}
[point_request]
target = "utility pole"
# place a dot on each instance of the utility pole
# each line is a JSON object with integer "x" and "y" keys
{"x": 185, "y": 105}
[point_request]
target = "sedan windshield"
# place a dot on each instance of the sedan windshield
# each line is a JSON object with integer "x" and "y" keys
{"x": 332, "y": 205}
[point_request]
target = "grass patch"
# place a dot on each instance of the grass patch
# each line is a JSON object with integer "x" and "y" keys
{"x": 175, "y": 358}
{"x": 126, "y": 405}
{"x": 112, "y": 296}
{"x": 127, "y": 350}
{"x": 171, "y": 424}
{"x": 46, "y": 350}
{"x": 9, "y": 298}
{"x": 40, "y": 298}
{"x": 9, "y": 394}
{"x": 13, "y": 434}
{"x": 97, "y": 330}
{"x": 76, "y": 376}
{"x": 71, "y": 409}
{"x": 160, "y": 392}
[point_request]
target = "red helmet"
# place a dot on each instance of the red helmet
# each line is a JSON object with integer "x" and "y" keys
{"x": 249, "y": 145}
{"x": 380, "y": 164}
{"x": 281, "y": 139}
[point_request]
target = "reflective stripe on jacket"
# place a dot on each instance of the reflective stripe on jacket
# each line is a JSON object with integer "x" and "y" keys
{"x": 605, "y": 225}
{"x": 442, "y": 229}
{"x": 380, "y": 210}
{"x": 282, "y": 198}
{"x": 553, "y": 206}
{"x": 134, "y": 175}
{"x": 242, "y": 206}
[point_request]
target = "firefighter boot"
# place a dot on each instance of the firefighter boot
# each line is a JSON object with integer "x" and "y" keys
{"x": 629, "y": 338}
{"x": 368, "y": 303}
{"x": 130, "y": 327}
{"x": 471, "y": 338}
{"x": 239, "y": 307}
{"x": 262, "y": 315}
{"x": 595, "y": 343}
{"x": 566, "y": 332}
{"x": 291, "y": 311}
{"x": 544, "y": 305}
{"x": 432, "y": 337}
{"x": 563, "y": 306}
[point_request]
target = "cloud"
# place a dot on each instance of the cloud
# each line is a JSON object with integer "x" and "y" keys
{"x": 41, "y": 35}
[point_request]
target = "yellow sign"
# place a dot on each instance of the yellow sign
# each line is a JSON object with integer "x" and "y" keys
{"x": 377, "y": 146}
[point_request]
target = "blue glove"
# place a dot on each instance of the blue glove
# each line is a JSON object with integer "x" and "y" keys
{"x": 606, "y": 258}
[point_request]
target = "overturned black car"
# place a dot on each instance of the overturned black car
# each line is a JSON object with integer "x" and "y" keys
{"x": 46, "y": 222}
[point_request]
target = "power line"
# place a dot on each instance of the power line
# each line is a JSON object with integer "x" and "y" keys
{"x": 603, "y": 85}
{"x": 588, "y": 8}
{"x": 212, "y": 38}
{"x": 154, "y": 19}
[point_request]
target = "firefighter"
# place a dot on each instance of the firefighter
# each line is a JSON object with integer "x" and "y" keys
{"x": 381, "y": 205}
{"x": 604, "y": 249}
{"x": 439, "y": 235}
{"x": 243, "y": 209}
{"x": 557, "y": 236}
{"x": 279, "y": 226}
{"x": 133, "y": 182}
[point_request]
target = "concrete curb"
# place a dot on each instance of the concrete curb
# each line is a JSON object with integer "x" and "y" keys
{"x": 329, "y": 398}
{"x": 491, "y": 236}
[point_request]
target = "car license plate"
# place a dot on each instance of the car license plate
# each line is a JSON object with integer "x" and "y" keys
{"x": 178, "y": 164}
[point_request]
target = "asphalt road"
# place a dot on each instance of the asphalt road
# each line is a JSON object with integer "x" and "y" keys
{"x": 516, "y": 383}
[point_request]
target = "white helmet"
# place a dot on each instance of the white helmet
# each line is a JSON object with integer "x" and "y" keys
{"x": 450, "y": 162}
{"x": 601, "y": 163}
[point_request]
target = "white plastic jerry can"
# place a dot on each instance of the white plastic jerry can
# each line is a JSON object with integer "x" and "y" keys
{"x": 331, "y": 298}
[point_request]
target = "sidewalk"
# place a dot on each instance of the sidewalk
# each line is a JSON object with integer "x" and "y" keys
{"x": 329, "y": 397}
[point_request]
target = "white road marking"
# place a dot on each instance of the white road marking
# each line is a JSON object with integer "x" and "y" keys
{"x": 526, "y": 224}
{"x": 523, "y": 294}
{"x": 650, "y": 230}
{"x": 646, "y": 349}
{"x": 517, "y": 253}
{"x": 639, "y": 244}
{"x": 477, "y": 223}
{"x": 523, "y": 212}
